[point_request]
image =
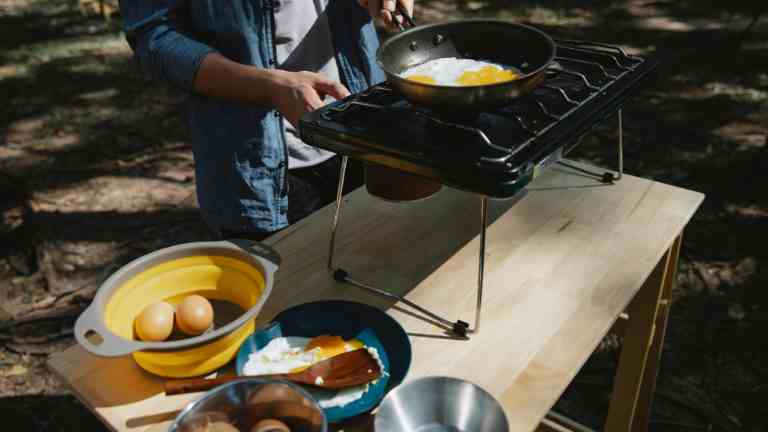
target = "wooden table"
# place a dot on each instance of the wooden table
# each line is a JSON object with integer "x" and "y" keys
{"x": 562, "y": 265}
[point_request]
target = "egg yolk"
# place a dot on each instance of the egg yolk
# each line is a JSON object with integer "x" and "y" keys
{"x": 485, "y": 75}
{"x": 424, "y": 79}
{"x": 327, "y": 346}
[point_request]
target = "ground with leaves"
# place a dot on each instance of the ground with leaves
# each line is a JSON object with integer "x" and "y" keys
{"x": 96, "y": 169}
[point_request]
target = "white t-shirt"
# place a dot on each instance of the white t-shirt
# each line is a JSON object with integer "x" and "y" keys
{"x": 303, "y": 43}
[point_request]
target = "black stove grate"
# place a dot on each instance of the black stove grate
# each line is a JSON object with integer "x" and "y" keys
{"x": 493, "y": 152}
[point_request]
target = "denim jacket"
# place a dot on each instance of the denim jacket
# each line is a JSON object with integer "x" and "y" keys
{"x": 240, "y": 152}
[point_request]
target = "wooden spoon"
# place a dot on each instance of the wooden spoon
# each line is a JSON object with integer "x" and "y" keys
{"x": 344, "y": 370}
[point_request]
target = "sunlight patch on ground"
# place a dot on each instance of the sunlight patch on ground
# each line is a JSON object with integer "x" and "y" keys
{"x": 8, "y": 7}
{"x": 24, "y": 130}
{"x": 552, "y": 17}
{"x": 110, "y": 193}
{"x": 60, "y": 141}
{"x": 99, "y": 95}
{"x": 436, "y": 12}
{"x": 733, "y": 91}
{"x": 752, "y": 211}
{"x": 8, "y": 153}
{"x": 671, "y": 24}
{"x": 445, "y": 11}
{"x": 10, "y": 71}
{"x": 747, "y": 136}
{"x": 737, "y": 92}
{"x": 44, "y": 52}
{"x": 477, "y": 5}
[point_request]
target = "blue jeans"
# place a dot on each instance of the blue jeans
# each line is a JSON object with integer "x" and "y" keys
{"x": 309, "y": 190}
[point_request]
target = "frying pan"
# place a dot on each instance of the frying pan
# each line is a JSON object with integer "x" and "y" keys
{"x": 520, "y": 46}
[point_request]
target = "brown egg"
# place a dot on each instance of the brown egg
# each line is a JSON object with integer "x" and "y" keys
{"x": 194, "y": 315}
{"x": 155, "y": 322}
{"x": 275, "y": 392}
{"x": 270, "y": 425}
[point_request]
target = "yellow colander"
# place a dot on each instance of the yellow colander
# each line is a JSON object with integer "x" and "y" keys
{"x": 238, "y": 271}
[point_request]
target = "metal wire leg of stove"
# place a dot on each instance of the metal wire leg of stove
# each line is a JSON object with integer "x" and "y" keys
{"x": 458, "y": 327}
{"x": 606, "y": 177}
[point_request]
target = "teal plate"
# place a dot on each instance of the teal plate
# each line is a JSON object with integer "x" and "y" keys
{"x": 349, "y": 320}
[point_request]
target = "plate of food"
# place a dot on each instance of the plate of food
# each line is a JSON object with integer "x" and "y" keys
{"x": 309, "y": 333}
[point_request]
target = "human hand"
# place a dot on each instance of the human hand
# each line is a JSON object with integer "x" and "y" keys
{"x": 296, "y": 93}
{"x": 385, "y": 9}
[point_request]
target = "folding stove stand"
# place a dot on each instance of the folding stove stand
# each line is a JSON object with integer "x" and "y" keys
{"x": 459, "y": 328}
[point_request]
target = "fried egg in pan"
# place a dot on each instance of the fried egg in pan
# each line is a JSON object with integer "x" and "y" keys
{"x": 452, "y": 71}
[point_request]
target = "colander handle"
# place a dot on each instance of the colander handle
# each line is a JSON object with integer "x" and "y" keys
{"x": 260, "y": 250}
{"x": 89, "y": 323}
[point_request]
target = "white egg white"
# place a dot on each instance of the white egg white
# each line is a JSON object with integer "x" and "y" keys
{"x": 447, "y": 70}
{"x": 280, "y": 355}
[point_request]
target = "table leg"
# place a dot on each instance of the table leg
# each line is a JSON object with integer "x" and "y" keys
{"x": 643, "y": 411}
{"x": 635, "y": 379}
{"x": 548, "y": 425}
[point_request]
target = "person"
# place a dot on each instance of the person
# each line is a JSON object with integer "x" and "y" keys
{"x": 252, "y": 68}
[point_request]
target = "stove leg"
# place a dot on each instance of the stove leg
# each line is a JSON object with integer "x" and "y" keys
{"x": 607, "y": 176}
{"x": 620, "y": 173}
{"x": 481, "y": 263}
{"x": 337, "y": 213}
{"x": 343, "y": 276}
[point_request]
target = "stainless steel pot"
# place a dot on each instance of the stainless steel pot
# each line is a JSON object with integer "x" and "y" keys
{"x": 440, "y": 404}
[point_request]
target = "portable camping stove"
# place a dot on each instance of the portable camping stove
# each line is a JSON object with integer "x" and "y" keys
{"x": 493, "y": 153}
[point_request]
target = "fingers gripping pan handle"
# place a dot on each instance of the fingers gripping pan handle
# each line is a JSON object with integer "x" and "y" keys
{"x": 401, "y": 10}
{"x": 91, "y": 334}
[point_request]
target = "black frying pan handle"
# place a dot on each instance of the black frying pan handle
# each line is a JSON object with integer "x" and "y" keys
{"x": 401, "y": 10}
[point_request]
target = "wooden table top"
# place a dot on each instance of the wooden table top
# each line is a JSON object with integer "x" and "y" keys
{"x": 561, "y": 265}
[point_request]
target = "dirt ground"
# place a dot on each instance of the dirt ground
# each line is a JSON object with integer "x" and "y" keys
{"x": 96, "y": 169}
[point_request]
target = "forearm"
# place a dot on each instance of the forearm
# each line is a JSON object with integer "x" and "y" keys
{"x": 221, "y": 78}
{"x": 173, "y": 57}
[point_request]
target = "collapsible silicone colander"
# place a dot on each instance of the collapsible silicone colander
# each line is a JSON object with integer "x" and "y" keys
{"x": 238, "y": 271}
